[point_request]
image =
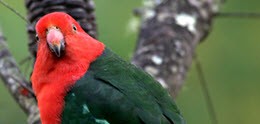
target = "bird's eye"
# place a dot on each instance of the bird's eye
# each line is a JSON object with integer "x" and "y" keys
{"x": 74, "y": 28}
{"x": 36, "y": 37}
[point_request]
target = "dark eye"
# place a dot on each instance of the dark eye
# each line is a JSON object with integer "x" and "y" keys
{"x": 36, "y": 37}
{"x": 74, "y": 27}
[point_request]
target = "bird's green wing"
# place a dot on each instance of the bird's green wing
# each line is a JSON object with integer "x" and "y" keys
{"x": 119, "y": 93}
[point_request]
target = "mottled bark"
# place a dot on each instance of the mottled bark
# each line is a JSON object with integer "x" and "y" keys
{"x": 81, "y": 10}
{"x": 169, "y": 34}
{"x": 16, "y": 82}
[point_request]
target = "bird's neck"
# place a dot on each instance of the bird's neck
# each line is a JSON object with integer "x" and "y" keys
{"x": 53, "y": 77}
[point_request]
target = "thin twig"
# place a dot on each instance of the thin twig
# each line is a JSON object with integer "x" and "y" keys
{"x": 26, "y": 59}
{"x": 13, "y": 10}
{"x": 203, "y": 83}
{"x": 27, "y": 62}
{"x": 238, "y": 15}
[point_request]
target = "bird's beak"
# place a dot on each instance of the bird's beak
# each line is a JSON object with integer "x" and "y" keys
{"x": 55, "y": 41}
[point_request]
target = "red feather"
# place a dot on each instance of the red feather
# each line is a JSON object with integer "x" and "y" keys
{"x": 53, "y": 76}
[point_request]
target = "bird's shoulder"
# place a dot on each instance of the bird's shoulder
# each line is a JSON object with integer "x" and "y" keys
{"x": 113, "y": 88}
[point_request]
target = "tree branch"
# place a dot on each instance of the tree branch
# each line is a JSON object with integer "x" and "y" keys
{"x": 13, "y": 80}
{"x": 169, "y": 34}
{"x": 205, "y": 91}
{"x": 248, "y": 15}
{"x": 81, "y": 10}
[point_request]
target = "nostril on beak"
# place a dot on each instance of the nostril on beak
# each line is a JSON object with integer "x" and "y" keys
{"x": 55, "y": 41}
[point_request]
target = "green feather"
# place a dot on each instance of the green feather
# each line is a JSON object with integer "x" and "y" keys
{"x": 116, "y": 92}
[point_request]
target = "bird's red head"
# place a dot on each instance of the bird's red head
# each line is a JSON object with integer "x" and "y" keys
{"x": 62, "y": 42}
{"x": 53, "y": 28}
{"x": 64, "y": 55}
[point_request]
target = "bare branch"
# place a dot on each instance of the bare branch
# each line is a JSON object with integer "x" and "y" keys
{"x": 169, "y": 34}
{"x": 238, "y": 15}
{"x": 13, "y": 80}
{"x": 81, "y": 10}
{"x": 13, "y": 10}
{"x": 205, "y": 91}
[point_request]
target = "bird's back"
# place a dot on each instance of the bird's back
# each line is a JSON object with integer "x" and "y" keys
{"x": 114, "y": 91}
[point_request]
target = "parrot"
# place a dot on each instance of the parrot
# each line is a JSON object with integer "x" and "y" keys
{"x": 78, "y": 80}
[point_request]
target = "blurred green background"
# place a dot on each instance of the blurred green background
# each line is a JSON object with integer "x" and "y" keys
{"x": 230, "y": 58}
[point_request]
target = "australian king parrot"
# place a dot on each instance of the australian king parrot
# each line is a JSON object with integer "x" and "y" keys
{"x": 78, "y": 80}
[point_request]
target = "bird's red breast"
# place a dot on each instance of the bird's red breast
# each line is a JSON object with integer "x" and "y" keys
{"x": 53, "y": 76}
